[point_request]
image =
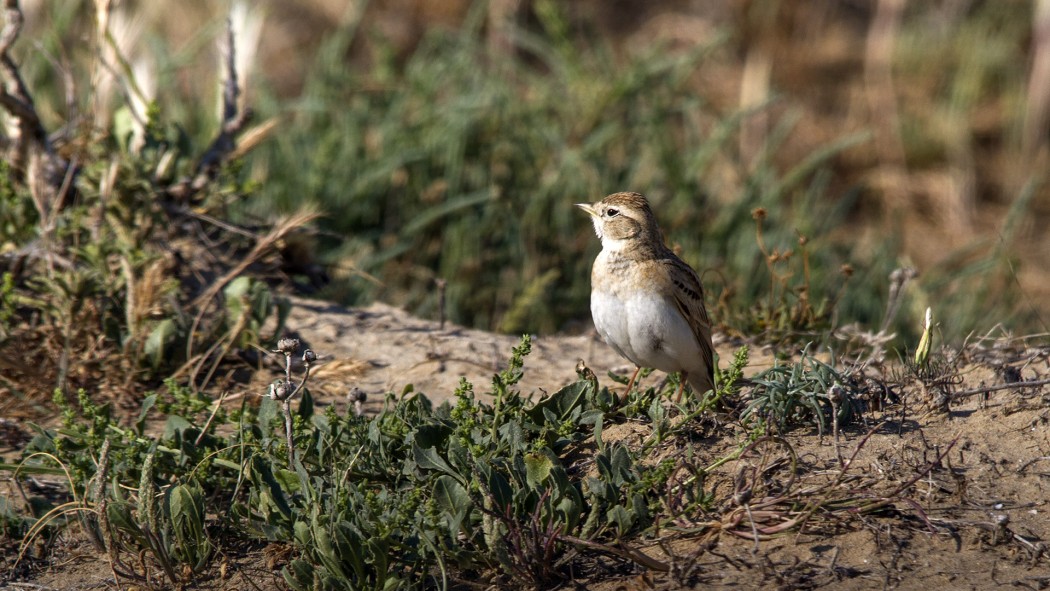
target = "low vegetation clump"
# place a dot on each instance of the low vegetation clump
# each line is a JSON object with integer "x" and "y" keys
{"x": 494, "y": 487}
{"x": 119, "y": 268}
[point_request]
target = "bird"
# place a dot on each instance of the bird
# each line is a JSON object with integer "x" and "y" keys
{"x": 647, "y": 303}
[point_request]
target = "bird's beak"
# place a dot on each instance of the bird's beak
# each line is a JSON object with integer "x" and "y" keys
{"x": 588, "y": 208}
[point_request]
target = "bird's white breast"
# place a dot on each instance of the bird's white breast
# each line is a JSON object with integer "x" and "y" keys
{"x": 646, "y": 328}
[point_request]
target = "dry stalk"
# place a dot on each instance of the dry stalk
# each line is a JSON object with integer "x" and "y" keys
{"x": 620, "y": 550}
{"x": 284, "y": 391}
{"x": 758, "y": 517}
{"x": 811, "y": 508}
{"x": 27, "y": 147}
{"x": 223, "y": 345}
{"x": 264, "y": 245}
{"x": 898, "y": 279}
{"x": 441, "y": 285}
{"x": 211, "y": 417}
{"x": 233, "y": 122}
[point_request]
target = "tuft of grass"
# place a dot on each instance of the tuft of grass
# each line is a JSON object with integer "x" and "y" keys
{"x": 803, "y": 392}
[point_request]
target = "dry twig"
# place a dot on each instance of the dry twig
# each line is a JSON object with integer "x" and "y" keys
{"x": 233, "y": 122}
{"x": 27, "y": 147}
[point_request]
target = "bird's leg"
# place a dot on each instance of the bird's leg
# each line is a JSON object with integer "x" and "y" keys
{"x": 634, "y": 377}
{"x": 681, "y": 387}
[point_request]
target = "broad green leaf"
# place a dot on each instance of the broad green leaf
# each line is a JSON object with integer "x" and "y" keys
{"x": 186, "y": 507}
{"x": 264, "y": 478}
{"x": 537, "y": 468}
{"x": 261, "y": 301}
{"x": 497, "y": 484}
{"x": 450, "y": 495}
{"x": 238, "y": 287}
{"x": 123, "y": 127}
{"x": 147, "y": 404}
{"x": 299, "y": 574}
{"x": 429, "y": 436}
{"x": 558, "y": 406}
{"x": 428, "y": 459}
{"x": 175, "y": 425}
{"x": 621, "y": 518}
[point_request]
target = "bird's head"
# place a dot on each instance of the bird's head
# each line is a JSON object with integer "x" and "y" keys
{"x": 622, "y": 217}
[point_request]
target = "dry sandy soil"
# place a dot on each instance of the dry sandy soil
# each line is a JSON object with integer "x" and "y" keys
{"x": 969, "y": 489}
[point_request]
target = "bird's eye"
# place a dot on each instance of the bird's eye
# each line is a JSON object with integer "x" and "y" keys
{"x": 612, "y": 212}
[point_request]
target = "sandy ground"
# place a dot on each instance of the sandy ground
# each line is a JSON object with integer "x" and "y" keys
{"x": 382, "y": 349}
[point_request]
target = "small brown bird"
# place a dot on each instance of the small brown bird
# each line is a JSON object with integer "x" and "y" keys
{"x": 645, "y": 301}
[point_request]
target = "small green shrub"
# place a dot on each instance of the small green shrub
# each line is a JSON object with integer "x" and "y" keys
{"x": 804, "y": 392}
{"x": 104, "y": 287}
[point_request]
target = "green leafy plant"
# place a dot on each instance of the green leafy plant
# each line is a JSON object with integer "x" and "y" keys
{"x": 99, "y": 274}
{"x": 401, "y": 499}
{"x": 493, "y": 486}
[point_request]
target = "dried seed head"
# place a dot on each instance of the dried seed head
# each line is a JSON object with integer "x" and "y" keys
{"x": 846, "y": 270}
{"x": 583, "y": 371}
{"x": 279, "y": 390}
{"x": 309, "y": 356}
{"x": 357, "y": 397}
{"x": 836, "y": 394}
{"x": 758, "y": 213}
{"x": 287, "y": 346}
{"x": 802, "y": 240}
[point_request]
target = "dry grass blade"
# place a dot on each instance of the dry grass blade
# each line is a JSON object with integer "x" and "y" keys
{"x": 620, "y": 550}
{"x": 263, "y": 246}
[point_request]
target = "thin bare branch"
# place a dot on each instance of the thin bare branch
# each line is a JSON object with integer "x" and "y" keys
{"x": 14, "y": 95}
{"x": 28, "y": 148}
{"x": 234, "y": 120}
{"x": 261, "y": 248}
{"x": 1011, "y": 385}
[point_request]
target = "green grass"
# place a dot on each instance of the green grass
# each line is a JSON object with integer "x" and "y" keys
{"x": 463, "y": 165}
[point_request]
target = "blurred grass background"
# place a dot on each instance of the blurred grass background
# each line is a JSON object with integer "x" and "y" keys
{"x": 448, "y": 139}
